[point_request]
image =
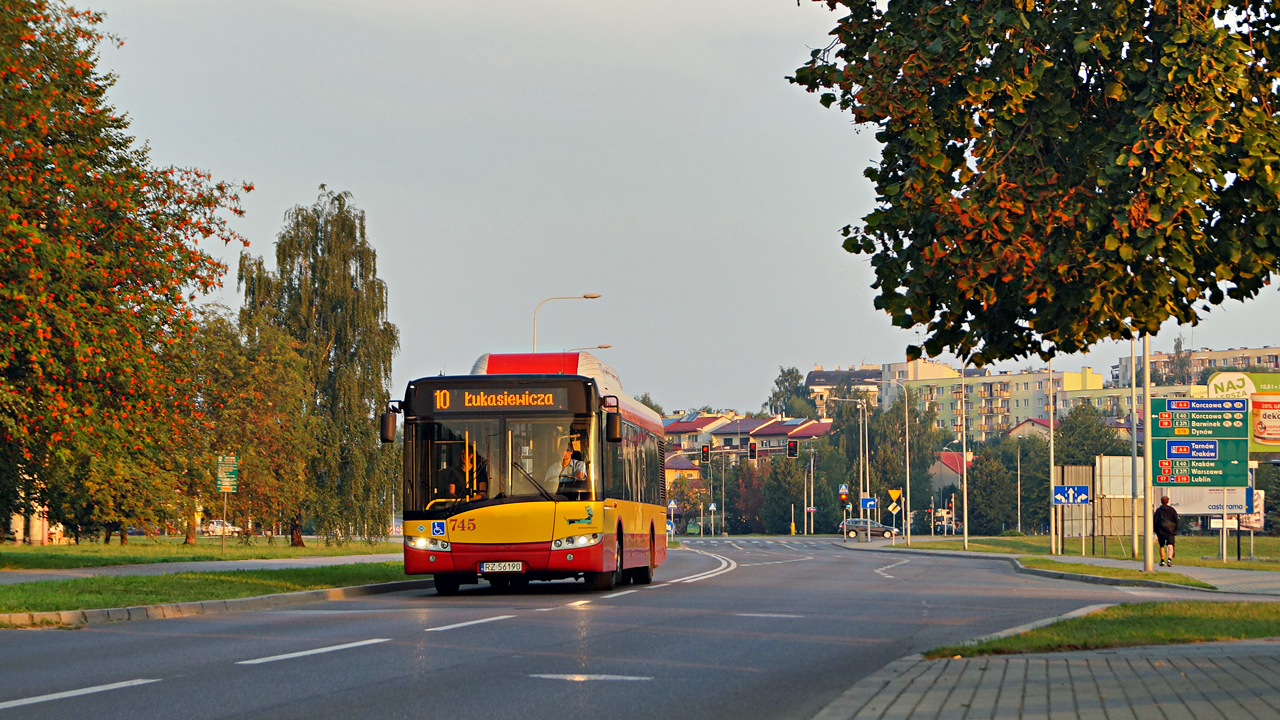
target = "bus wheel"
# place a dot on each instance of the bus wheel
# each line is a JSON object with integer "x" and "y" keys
{"x": 644, "y": 575}
{"x": 447, "y": 584}
{"x": 605, "y": 581}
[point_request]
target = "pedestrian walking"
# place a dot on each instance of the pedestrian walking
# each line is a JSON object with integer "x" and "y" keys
{"x": 1166, "y": 524}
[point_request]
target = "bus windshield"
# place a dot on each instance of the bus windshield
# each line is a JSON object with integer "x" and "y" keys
{"x": 477, "y": 459}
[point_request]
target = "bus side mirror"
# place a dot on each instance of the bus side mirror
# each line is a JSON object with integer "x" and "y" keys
{"x": 613, "y": 427}
{"x": 388, "y": 427}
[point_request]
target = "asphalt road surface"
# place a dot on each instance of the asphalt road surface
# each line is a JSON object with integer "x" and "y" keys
{"x": 742, "y": 629}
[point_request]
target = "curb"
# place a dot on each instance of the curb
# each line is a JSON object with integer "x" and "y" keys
{"x": 1055, "y": 574}
{"x": 167, "y": 611}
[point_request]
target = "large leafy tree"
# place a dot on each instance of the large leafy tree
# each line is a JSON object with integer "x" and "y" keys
{"x": 326, "y": 295}
{"x": 1083, "y": 435}
{"x": 99, "y": 260}
{"x": 782, "y": 493}
{"x": 789, "y": 395}
{"x": 1058, "y": 172}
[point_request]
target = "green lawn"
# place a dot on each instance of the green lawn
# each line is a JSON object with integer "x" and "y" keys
{"x": 1190, "y": 549}
{"x": 1111, "y": 572}
{"x": 141, "y": 550}
{"x": 1137, "y": 624}
{"x": 126, "y": 591}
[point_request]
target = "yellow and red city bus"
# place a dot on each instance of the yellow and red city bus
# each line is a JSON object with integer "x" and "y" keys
{"x": 533, "y": 467}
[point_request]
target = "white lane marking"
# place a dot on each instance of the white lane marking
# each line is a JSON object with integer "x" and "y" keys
{"x": 588, "y": 678}
{"x": 317, "y": 651}
{"x": 777, "y": 562}
{"x": 73, "y": 693}
{"x": 472, "y": 622}
{"x": 655, "y": 587}
{"x": 767, "y": 615}
{"x": 881, "y": 571}
{"x": 726, "y": 565}
{"x": 617, "y": 594}
{"x": 580, "y": 602}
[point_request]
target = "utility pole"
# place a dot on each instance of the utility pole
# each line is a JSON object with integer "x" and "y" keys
{"x": 1147, "y": 563}
{"x": 1133, "y": 444}
{"x": 1019, "y": 484}
{"x": 964, "y": 454}
{"x": 1053, "y": 412}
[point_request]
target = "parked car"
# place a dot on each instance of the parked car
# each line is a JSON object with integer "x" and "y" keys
{"x": 853, "y": 526}
{"x": 219, "y": 528}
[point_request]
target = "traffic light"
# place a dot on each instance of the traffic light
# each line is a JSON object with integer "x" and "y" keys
{"x": 751, "y": 450}
{"x": 706, "y": 453}
{"x": 844, "y": 497}
{"x": 848, "y": 506}
{"x": 793, "y": 448}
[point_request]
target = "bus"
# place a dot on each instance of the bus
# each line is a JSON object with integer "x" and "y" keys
{"x": 533, "y": 467}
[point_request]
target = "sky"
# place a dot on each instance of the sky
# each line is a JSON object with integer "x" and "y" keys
{"x": 507, "y": 151}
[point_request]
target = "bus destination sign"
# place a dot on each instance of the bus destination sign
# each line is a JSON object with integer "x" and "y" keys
{"x": 1200, "y": 442}
{"x": 468, "y": 400}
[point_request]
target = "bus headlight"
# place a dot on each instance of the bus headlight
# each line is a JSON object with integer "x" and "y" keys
{"x": 576, "y": 541}
{"x": 421, "y": 543}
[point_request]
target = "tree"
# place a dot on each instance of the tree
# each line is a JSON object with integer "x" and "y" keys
{"x": 992, "y": 494}
{"x": 644, "y": 399}
{"x": 788, "y": 385}
{"x": 99, "y": 261}
{"x": 783, "y": 490}
{"x": 1181, "y": 366}
{"x": 748, "y": 499}
{"x": 325, "y": 294}
{"x": 1083, "y": 435}
{"x": 1055, "y": 174}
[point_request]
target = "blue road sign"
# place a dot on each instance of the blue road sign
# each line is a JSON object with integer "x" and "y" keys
{"x": 844, "y": 489}
{"x": 671, "y": 505}
{"x": 868, "y": 503}
{"x": 1071, "y": 495}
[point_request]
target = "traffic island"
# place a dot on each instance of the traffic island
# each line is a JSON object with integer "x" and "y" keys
{"x": 87, "y": 601}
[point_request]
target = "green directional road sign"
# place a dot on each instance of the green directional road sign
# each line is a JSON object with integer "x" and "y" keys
{"x": 228, "y": 473}
{"x": 1199, "y": 442}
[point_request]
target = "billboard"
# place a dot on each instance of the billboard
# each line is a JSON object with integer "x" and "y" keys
{"x": 1263, "y": 392}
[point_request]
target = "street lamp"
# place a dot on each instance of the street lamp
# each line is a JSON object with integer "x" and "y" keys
{"x": 864, "y": 474}
{"x": 588, "y": 296}
{"x": 597, "y": 347}
{"x": 906, "y": 452}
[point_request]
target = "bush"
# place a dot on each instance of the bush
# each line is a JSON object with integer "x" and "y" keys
{"x": 1012, "y": 533}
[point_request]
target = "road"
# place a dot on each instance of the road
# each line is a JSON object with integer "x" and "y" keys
{"x": 744, "y": 629}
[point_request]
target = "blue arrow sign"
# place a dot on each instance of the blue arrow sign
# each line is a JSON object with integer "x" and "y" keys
{"x": 1071, "y": 495}
{"x": 868, "y": 503}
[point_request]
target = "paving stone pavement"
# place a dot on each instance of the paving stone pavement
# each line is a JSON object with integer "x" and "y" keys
{"x": 1206, "y": 681}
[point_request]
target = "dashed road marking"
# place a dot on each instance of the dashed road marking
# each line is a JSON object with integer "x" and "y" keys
{"x": 74, "y": 693}
{"x": 589, "y": 678}
{"x": 881, "y": 571}
{"x": 317, "y": 651}
{"x": 470, "y": 622}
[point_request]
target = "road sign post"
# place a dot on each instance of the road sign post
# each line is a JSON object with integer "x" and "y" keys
{"x": 228, "y": 480}
{"x": 1199, "y": 442}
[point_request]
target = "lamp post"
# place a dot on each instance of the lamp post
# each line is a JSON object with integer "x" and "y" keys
{"x": 597, "y": 347}
{"x": 906, "y": 452}
{"x": 588, "y": 296}
{"x": 863, "y": 476}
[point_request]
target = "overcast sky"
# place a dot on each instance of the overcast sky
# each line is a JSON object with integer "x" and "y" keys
{"x": 510, "y": 150}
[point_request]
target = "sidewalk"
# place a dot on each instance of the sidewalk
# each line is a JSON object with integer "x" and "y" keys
{"x": 1209, "y": 681}
{"x": 1252, "y": 582}
{"x": 9, "y": 577}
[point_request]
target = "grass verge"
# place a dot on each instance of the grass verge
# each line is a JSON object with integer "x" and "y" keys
{"x": 131, "y": 590}
{"x": 1111, "y": 572}
{"x": 1190, "y": 549}
{"x": 163, "y": 550}
{"x": 1130, "y": 624}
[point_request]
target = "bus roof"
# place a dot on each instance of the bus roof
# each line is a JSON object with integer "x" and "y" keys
{"x": 571, "y": 363}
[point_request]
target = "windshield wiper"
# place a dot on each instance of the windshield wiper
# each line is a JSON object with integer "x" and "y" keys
{"x": 541, "y": 490}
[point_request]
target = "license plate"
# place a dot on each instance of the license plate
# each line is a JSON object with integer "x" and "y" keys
{"x": 491, "y": 567}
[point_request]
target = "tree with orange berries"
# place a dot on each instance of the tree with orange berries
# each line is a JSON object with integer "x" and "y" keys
{"x": 100, "y": 258}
